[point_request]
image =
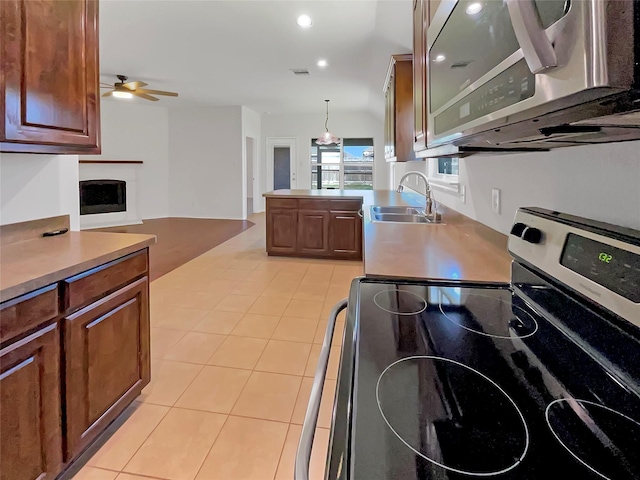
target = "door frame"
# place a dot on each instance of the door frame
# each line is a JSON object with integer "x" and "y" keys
{"x": 253, "y": 161}
{"x": 273, "y": 142}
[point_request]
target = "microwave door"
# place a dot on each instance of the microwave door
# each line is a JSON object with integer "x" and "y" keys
{"x": 535, "y": 44}
{"x": 552, "y": 55}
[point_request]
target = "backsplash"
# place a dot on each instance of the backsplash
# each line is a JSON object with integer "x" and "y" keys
{"x": 601, "y": 182}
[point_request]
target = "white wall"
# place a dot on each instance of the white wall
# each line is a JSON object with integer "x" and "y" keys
{"x": 304, "y": 127}
{"x": 132, "y": 131}
{"x": 601, "y": 182}
{"x": 205, "y": 162}
{"x": 251, "y": 127}
{"x": 38, "y": 186}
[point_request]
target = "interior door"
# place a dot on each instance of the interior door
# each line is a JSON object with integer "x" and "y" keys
{"x": 281, "y": 155}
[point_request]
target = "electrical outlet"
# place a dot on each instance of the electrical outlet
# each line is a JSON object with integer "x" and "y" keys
{"x": 463, "y": 194}
{"x": 495, "y": 200}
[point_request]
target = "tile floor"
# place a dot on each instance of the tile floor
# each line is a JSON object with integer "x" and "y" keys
{"x": 235, "y": 339}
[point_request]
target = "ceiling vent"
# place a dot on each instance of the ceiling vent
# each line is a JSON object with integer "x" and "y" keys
{"x": 300, "y": 71}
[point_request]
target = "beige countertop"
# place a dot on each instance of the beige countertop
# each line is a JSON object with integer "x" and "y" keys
{"x": 459, "y": 248}
{"x": 31, "y": 264}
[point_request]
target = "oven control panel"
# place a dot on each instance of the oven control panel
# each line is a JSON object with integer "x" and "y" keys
{"x": 601, "y": 264}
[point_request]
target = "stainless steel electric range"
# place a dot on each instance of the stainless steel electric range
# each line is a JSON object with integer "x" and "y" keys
{"x": 537, "y": 379}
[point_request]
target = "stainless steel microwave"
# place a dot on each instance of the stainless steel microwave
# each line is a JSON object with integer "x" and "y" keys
{"x": 532, "y": 74}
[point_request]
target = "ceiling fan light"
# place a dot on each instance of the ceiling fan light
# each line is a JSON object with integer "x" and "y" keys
{"x": 121, "y": 94}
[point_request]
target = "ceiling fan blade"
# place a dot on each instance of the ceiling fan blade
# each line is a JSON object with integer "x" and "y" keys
{"x": 157, "y": 92}
{"x": 134, "y": 85}
{"x": 106, "y": 86}
{"x": 145, "y": 96}
{"x": 108, "y": 94}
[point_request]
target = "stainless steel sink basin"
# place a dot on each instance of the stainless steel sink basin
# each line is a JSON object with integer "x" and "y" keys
{"x": 398, "y": 210}
{"x": 399, "y": 218}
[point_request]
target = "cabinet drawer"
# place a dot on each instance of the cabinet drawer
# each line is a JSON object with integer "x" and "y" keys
{"x": 346, "y": 205}
{"x": 23, "y": 313}
{"x": 101, "y": 280}
{"x": 313, "y": 204}
{"x": 282, "y": 203}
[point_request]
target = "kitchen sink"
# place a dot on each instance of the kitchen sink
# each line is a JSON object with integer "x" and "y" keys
{"x": 399, "y": 218}
{"x": 398, "y": 210}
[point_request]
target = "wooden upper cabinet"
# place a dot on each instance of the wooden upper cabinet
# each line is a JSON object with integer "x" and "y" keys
{"x": 399, "y": 137}
{"x": 420, "y": 16}
{"x": 30, "y": 412}
{"x": 49, "y": 94}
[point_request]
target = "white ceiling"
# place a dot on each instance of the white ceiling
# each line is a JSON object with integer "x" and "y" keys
{"x": 239, "y": 52}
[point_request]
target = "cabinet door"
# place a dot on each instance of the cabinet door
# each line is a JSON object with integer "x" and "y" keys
{"x": 30, "y": 414}
{"x": 390, "y": 120}
{"x": 49, "y": 96}
{"x": 345, "y": 235}
{"x": 419, "y": 75}
{"x": 313, "y": 232}
{"x": 282, "y": 229}
{"x": 107, "y": 361}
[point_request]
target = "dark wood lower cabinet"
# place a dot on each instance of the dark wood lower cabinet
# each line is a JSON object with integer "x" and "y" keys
{"x": 282, "y": 231}
{"x": 345, "y": 234}
{"x": 313, "y": 232}
{"x": 316, "y": 228}
{"x": 74, "y": 355}
{"x": 30, "y": 411}
{"x": 107, "y": 361}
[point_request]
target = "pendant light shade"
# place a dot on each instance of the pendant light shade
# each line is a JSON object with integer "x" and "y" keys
{"x": 327, "y": 138}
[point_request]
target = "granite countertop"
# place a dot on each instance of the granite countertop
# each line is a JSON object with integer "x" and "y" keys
{"x": 31, "y": 264}
{"x": 459, "y": 248}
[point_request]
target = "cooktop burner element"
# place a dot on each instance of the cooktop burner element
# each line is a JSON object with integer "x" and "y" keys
{"x": 604, "y": 440}
{"x": 501, "y": 319}
{"x": 452, "y": 415}
{"x": 400, "y": 302}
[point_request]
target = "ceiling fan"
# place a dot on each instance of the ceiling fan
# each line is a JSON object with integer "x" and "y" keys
{"x": 124, "y": 89}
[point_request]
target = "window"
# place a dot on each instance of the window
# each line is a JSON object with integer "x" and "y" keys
{"x": 349, "y": 165}
{"x": 443, "y": 173}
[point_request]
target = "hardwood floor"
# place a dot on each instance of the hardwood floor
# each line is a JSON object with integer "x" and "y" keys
{"x": 181, "y": 239}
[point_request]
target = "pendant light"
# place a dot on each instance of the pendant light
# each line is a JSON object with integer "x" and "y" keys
{"x": 327, "y": 138}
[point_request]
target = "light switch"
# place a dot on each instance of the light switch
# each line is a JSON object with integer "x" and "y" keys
{"x": 495, "y": 200}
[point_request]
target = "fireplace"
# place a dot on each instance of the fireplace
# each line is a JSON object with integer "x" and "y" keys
{"x": 102, "y": 196}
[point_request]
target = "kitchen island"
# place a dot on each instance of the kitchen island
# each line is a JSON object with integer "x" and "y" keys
{"x": 74, "y": 340}
{"x": 458, "y": 248}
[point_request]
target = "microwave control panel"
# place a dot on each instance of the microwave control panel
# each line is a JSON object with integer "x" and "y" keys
{"x": 515, "y": 84}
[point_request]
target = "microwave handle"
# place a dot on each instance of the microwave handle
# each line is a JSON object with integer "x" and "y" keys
{"x": 536, "y": 46}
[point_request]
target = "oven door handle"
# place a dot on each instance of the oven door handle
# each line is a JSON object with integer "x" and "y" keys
{"x": 303, "y": 455}
{"x": 537, "y": 48}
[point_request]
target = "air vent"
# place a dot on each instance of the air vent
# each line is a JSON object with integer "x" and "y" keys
{"x": 300, "y": 71}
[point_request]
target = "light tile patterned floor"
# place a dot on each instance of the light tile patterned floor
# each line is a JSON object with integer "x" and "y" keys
{"x": 235, "y": 339}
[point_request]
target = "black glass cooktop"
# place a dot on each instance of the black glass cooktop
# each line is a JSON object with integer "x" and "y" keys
{"x": 444, "y": 382}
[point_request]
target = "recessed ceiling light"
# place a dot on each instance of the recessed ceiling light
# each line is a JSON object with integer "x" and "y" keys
{"x": 304, "y": 21}
{"x": 322, "y": 63}
{"x": 120, "y": 94}
{"x": 439, "y": 58}
{"x": 474, "y": 8}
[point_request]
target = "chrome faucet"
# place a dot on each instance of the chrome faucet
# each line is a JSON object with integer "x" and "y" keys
{"x": 430, "y": 206}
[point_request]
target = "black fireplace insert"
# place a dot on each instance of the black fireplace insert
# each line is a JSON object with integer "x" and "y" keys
{"x": 102, "y": 196}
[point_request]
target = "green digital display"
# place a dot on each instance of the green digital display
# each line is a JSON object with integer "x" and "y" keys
{"x": 605, "y": 257}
